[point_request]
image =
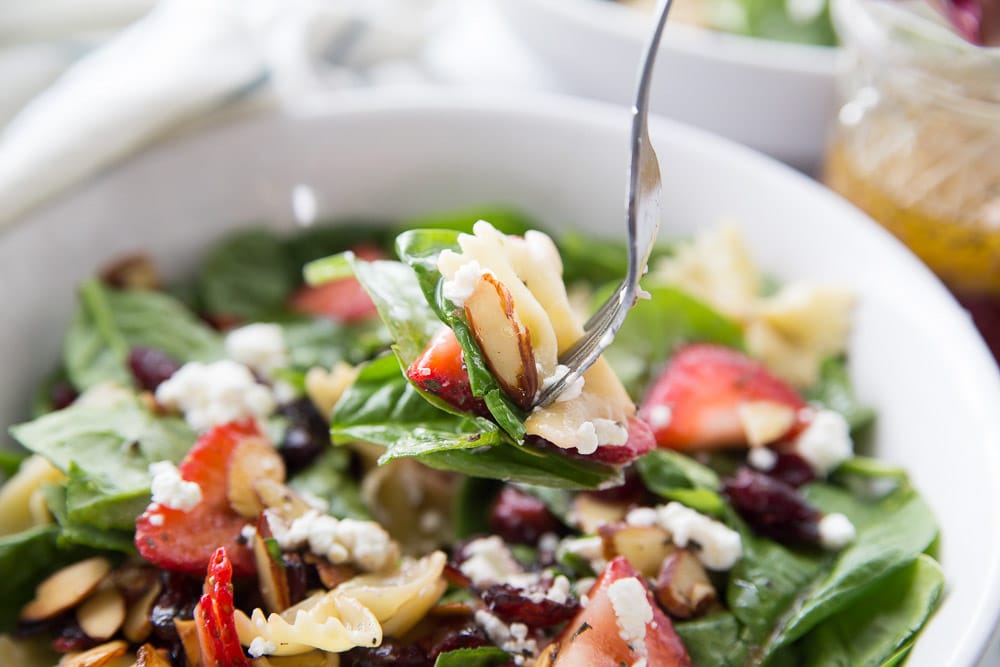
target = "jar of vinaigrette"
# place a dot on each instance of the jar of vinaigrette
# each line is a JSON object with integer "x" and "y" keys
{"x": 917, "y": 143}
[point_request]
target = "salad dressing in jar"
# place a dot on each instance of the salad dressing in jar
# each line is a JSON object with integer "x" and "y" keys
{"x": 917, "y": 144}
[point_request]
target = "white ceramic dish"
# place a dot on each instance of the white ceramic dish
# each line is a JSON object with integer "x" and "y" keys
{"x": 915, "y": 355}
{"x": 776, "y": 97}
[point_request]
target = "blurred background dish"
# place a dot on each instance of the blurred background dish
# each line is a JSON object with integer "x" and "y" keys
{"x": 777, "y": 97}
{"x": 382, "y": 157}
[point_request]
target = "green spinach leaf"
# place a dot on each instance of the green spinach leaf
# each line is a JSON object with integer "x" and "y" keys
{"x": 482, "y": 656}
{"x": 471, "y": 506}
{"x": 835, "y": 391}
{"x": 73, "y": 534}
{"x": 713, "y": 640}
{"x": 675, "y": 476}
{"x": 507, "y": 220}
{"x": 248, "y": 275}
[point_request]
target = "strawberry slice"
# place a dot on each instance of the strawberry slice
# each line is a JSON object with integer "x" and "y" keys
{"x": 214, "y": 616}
{"x": 695, "y": 403}
{"x": 640, "y": 441}
{"x": 343, "y": 300}
{"x": 185, "y": 541}
{"x": 441, "y": 371}
{"x": 595, "y": 635}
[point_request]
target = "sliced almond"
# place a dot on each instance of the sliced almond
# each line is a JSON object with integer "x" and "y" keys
{"x": 275, "y": 495}
{"x": 644, "y": 547}
{"x": 66, "y": 588}
{"x": 451, "y": 610}
{"x": 270, "y": 573}
{"x": 764, "y": 421}
{"x": 148, "y": 656}
{"x": 138, "y": 623}
{"x": 187, "y": 630}
{"x": 254, "y": 459}
{"x": 134, "y": 580}
{"x": 547, "y": 658}
{"x": 683, "y": 587}
{"x": 95, "y": 657}
{"x": 102, "y": 613}
{"x": 330, "y": 574}
{"x": 324, "y": 388}
{"x": 503, "y": 339}
{"x": 590, "y": 513}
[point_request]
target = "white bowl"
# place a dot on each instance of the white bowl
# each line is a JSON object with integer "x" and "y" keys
{"x": 776, "y": 97}
{"x": 914, "y": 353}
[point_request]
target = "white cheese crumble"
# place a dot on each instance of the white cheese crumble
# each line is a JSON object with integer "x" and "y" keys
{"x": 512, "y": 638}
{"x": 598, "y": 432}
{"x": 589, "y": 548}
{"x": 559, "y": 590}
{"x": 489, "y": 561}
{"x": 260, "y": 646}
{"x": 643, "y": 516}
{"x": 460, "y": 287}
{"x": 260, "y": 346}
{"x": 720, "y": 546}
{"x": 170, "y": 489}
{"x": 826, "y": 442}
{"x": 762, "y": 458}
{"x": 363, "y": 543}
{"x": 632, "y": 611}
{"x": 248, "y": 533}
{"x": 215, "y": 393}
{"x": 659, "y": 417}
{"x": 156, "y": 519}
{"x": 570, "y": 391}
{"x": 836, "y": 531}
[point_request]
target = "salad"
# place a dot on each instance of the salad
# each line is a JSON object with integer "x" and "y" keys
{"x": 323, "y": 450}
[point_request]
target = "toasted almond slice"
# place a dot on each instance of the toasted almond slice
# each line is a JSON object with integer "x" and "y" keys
{"x": 270, "y": 573}
{"x": 644, "y": 547}
{"x": 95, "y": 657}
{"x": 683, "y": 587}
{"x": 66, "y": 588}
{"x": 590, "y": 514}
{"x": 451, "y": 610}
{"x": 253, "y": 459}
{"x": 148, "y": 656}
{"x": 503, "y": 339}
{"x": 188, "y": 633}
{"x": 324, "y": 388}
{"x": 764, "y": 421}
{"x": 547, "y": 658}
{"x": 330, "y": 574}
{"x": 274, "y": 494}
{"x": 102, "y": 613}
{"x": 138, "y": 623}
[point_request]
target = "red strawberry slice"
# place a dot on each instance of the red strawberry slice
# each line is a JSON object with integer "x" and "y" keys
{"x": 185, "y": 541}
{"x": 594, "y": 636}
{"x": 441, "y": 371}
{"x": 214, "y": 616}
{"x": 640, "y": 441}
{"x": 695, "y": 402}
{"x": 343, "y": 300}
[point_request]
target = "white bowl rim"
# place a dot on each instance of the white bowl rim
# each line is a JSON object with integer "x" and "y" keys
{"x": 980, "y": 370}
{"x": 626, "y": 23}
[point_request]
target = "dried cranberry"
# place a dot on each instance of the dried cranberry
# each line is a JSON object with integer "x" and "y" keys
{"x": 307, "y": 435}
{"x": 72, "y": 638}
{"x": 520, "y": 518}
{"x": 391, "y": 652}
{"x": 453, "y": 637}
{"x": 630, "y": 491}
{"x": 772, "y": 508}
{"x": 515, "y": 605}
{"x": 792, "y": 469}
{"x": 299, "y": 580}
{"x": 178, "y": 600}
{"x": 151, "y": 367}
{"x": 62, "y": 395}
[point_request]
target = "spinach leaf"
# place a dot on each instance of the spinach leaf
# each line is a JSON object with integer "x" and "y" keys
{"x": 106, "y": 452}
{"x": 10, "y": 462}
{"x": 656, "y": 327}
{"x": 109, "y": 322}
{"x": 321, "y": 240}
{"x": 713, "y": 640}
{"x": 324, "y": 343}
{"x": 892, "y": 533}
{"x": 72, "y": 533}
{"x": 26, "y": 558}
{"x": 330, "y": 477}
{"x": 471, "y": 505}
{"x": 598, "y": 261}
{"x": 881, "y": 624}
{"x": 558, "y": 501}
{"x": 248, "y": 275}
{"x": 507, "y": 220}
{"x": 41, "y": 401}
{"x": 481, "y": 656}
{"x": 835, "y": 391}
{"x": 675, "y": 476}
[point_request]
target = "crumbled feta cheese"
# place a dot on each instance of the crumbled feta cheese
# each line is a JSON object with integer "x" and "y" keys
{"x": 170, "y": 489}
{"x": 559, "y": 590}
{"x": 156, "y": 519}
{"x": 720, "y": 546}
{"x": 592, "y": 434}
{"x": 826, "y": 442}
{"x": 363, "y": 543}
{"x": 632, "y": 611}
{"x": 548, "y": 542}
{"x": 489, "y": 561}
{"x": 260, "y": 346}
{"x": 582, "y": 587}
{"x": 643, "y": 516}
{"x": 216, "y": 393}
{"x": 590, "y": 548}
{"x": 570, "y": 391}
{"x": 260, "y": 646}
{"x": 513, "y": 638}
{"x": 762, "y": 458}
{"x": 460, "y": 288}
{"x": 836, "y": 531}
{"x": 248, "y": 532}
{"x": 659, "y": 417}
{"x": 586, "y": 438}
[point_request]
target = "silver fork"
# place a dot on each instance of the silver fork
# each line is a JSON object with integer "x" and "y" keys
{"x": 643, "y": 219}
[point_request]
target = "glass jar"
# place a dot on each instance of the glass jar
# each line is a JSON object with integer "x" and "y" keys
{"x": 917, "y": 143}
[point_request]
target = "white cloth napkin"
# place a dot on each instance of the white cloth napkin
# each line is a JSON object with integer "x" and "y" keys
{"x": 185, "y": 59}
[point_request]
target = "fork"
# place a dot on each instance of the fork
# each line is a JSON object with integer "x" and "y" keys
{"x": 643, "y": 219}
